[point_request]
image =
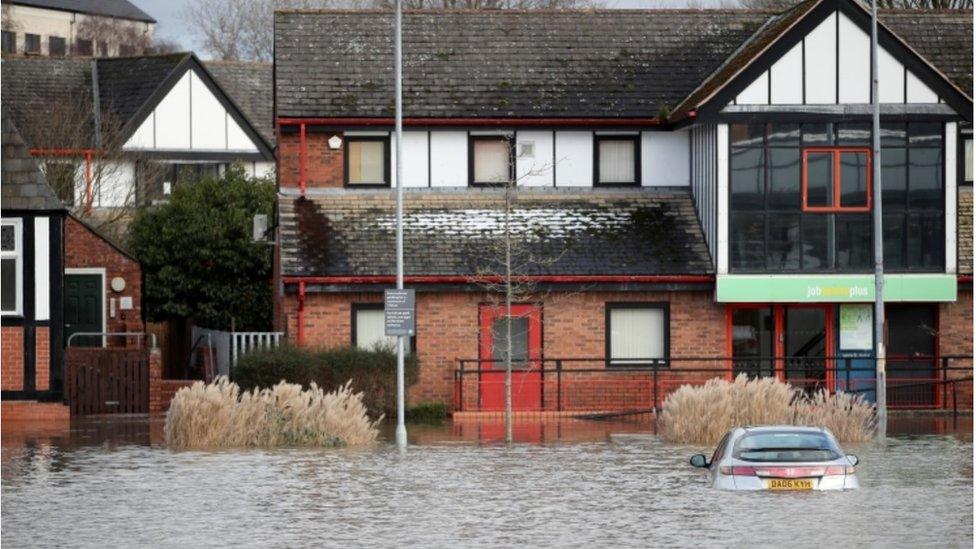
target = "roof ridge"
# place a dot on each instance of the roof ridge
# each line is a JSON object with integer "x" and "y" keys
{"x": 523, "y": 11}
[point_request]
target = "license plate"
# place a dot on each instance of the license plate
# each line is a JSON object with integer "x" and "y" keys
{"x": 790, "y": 484}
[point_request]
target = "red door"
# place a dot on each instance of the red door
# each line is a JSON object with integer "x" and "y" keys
{"x": 526, "y": 324}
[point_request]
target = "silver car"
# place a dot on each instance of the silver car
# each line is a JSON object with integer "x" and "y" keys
{"x": 782, "y": 457}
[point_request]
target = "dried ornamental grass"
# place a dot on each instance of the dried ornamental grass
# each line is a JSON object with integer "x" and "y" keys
{"x": 220, "y": 415}
{"x": 703, "y": 414}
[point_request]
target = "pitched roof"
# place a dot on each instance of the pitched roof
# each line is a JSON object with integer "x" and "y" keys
{"x": 22, "y": 185}
{"x": 251, "y": 86}
{"x": 35, "y": 90}
{"x": 126, "y": 83}
{"x": 586, "y": 63}
{"x": 110, "y": 8}
{"x": 593, "y": 63}
{"x": 585, "y": 232}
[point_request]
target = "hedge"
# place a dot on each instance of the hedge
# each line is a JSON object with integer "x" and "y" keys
{"x": 371, "y": 371}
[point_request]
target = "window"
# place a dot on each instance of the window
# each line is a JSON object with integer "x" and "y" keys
{"x": 11, "y": 257}
{"x": 368, "y": 328}
{"x": 968, "y": 159}
{"x": 367, "y": 161}
{"x": 836, "y": 179}
{"x": 32, "y": 43}
{"x": 57, "y": 46}
{"x": 616, "y": 159}
{"x": 84, "y": 48}
{"x": 8, "y": 44}
{"x": 491, "y": 160}
{"x": 637, "y": 334}
{"x": 102, "y": 48}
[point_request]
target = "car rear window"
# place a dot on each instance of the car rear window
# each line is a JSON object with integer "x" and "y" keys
{"x": 780, "y": 446}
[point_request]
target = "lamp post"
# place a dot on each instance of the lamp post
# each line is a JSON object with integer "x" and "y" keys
{"x": 881, "y": 389}
{"x": 401, "y": 429}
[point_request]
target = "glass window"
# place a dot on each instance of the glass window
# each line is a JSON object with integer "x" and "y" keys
{"x": 894, "y": 239}
{"x": 638, "y": 334}
{"x": 837, "y": 179}
{"x": 853, "y": 179}
{"x": 925, "y": 178}
{"x": 617, "y": 160}
{"x": 776, "y": 446}
{"x": 894, "y": 178}
{"x": 369, "y": 329}
{"x": 748, "y": 241}
{"x": 968, "y": 170}
{"x": 926, "y": 245}
{"x": 784, "y": 179}
{"x": 57, "y": 46}
{"x": 893, "y": 135}
{"x": 366, "y": 161}
{"x": 925, "y": 133}
{"x": 32, "y": 43}
{"x": 818, "y": 134}
{"x": 816, "y": 234}
{"x": 854, "y": 134}
{"x": 11, "y": 250}
{"x": 492, "y": 160}
{"x": 747, "y": 135}
{"x": 783, "y": 252}
{"x": 83, "y": 47}
{"x": 747, "y": 179}
{"x": 783, "y": 135}
{"x": 8, "y": 42}
{"x": 520, "y": 339}
{"x": 820, "y": 179}
{"x": 854, "y": 240}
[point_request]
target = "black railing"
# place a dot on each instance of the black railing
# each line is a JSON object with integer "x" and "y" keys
{"x": 596, "y": 384}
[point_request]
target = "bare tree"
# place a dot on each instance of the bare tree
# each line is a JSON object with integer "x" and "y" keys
{"x": 105, "y": 34}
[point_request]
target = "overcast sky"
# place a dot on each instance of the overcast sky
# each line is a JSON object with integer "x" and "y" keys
{"x": 171, "y": 27}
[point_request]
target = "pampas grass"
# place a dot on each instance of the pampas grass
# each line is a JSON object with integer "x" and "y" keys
{"x": 220, "y": 415}
{"x": 703, "y": 414}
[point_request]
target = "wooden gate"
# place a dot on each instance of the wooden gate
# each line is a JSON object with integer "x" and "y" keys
{"x": 107, "y": 381}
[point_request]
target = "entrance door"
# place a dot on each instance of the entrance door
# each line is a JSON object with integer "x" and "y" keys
{"x": 83, "y": 308}
{"x": 805, "y": 338}
{"x": 526, "y": 345}
{"x": 912, "y": 339}
{"x": 753, "y": 341}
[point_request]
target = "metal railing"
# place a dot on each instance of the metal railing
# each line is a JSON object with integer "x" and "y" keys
{"x": 243, "y": 342}
{"x": 600, "y": 385}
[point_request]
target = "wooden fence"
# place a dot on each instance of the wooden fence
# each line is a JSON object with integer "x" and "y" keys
{"x": 107, "y": 380}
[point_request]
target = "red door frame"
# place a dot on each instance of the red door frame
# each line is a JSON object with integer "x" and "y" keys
{"x": 779, "y": 334}
{"x": 526, "y": 385}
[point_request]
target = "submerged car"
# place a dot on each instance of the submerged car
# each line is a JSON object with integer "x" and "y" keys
{"x": 779, "y": 458}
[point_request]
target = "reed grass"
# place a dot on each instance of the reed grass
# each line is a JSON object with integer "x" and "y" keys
{"x": 703, "y": 414}
{"x": 220, "y": 415}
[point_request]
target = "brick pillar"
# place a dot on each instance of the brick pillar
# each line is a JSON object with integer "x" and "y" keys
{"x": 155, "y": 382}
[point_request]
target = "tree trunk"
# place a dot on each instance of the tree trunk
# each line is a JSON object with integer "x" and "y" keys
{"x": 508, "y": 315}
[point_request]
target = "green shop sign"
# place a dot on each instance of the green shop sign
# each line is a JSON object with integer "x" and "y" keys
{"x": 832, "y": 288}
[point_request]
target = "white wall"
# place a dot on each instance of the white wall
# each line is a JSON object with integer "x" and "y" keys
{"x": 665, "y": 159}
{"x": 722, "y": 202}
{"x": 448, "y": 159}
{"x": 42, "y": 268}
{"x": 574, "y": 159}
{"x": 535, "y": 169}
{"x": 48, "y": 22}
{"x": 832, "y": 65}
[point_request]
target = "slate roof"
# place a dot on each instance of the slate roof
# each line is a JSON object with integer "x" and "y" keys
{"x": 566, "y": 63}
{"x": 22, "y": 185}
{"x": 111, "y": 8}
{"x": 965, "y": 227}
{"x": 126, "y": 83}
{"x": 33, "y": 89}
{"x": 585, "y": 232}
{"x": 251, "y": 85}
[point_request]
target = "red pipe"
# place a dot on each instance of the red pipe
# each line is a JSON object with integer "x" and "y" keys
{"x": 301, "y": 313}
{"x": 301, "y": 158}
{"x": 965, "y": 278}
{"x": 453, "y": 122}
{"x": 455, "y": 279}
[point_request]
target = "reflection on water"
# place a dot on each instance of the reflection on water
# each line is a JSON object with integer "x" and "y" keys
{"x": 575, "y": 483}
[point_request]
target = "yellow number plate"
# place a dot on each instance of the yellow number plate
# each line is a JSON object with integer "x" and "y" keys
{"x": 790, "y": 484}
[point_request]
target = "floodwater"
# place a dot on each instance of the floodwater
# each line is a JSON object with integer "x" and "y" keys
{"x": 111, "y": 483}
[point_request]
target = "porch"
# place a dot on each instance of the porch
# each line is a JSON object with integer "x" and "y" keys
{"x": 566, "y": 387}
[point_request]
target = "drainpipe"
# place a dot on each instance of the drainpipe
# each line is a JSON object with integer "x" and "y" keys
{"x": 301, "y": 313}
{"x": 89, "y": 191}
{"x": 301, "y": 158}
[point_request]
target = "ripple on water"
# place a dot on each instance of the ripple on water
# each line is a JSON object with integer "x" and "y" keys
{"x": 596, "y": 491}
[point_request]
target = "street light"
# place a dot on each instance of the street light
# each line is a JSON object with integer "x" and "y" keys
{"x": 401, "y": 429}
{"x": 881, "y": 389}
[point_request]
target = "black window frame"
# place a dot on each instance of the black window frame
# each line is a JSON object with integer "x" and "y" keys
{"x": 509, "y": 139}
{"x": 84, "y": 47}
{"x": 9, "y": 41}
{"x": 62, "y": 46}
{"x": 371, "y": 306}
{"x": 609, "y": 307}
{"x": 28, "y": 38}
{"x": 599, "y": 138}
{"x": 349, "y": 139}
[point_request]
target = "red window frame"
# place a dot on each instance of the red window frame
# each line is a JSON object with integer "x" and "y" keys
{"x": 836, "y": 154}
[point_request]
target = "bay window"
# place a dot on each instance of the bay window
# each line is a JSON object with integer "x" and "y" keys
{"x": 11, "y": 266}
{"x": 367, "y": 161}
{"x": 617, "y": 159}
{"x": 637, "y": 334}
{"x": 491, "y": 160}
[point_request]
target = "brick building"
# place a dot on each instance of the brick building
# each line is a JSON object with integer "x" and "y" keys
{"x": 678, "y": 206}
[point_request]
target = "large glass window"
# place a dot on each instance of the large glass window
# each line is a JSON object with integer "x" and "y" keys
{"x": 617, "y": 159}
{"x": 637, "y": 334}
{"x": 366, "y": 161}
{"x": 11, "y": 256}
{"x": 492, "y": 160}
{"x": 800, "y": 197}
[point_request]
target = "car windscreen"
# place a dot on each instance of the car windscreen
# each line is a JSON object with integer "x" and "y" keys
{"x": 782, "y": 446}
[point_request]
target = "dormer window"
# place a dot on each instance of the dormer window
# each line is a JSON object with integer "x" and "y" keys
{"x": 617, "y": 160}
{"x": 492, "y": 160}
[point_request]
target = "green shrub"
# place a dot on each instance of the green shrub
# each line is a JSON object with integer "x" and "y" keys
{"x": 433, "y": 413}
{"x": 373, "y": 372}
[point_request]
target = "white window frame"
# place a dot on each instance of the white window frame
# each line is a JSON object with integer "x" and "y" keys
{"x": 663, "y": 361}
{"x": 18, "y": 253}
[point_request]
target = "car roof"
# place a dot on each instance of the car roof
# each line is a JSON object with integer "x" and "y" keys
{"x": 780, "y": 428}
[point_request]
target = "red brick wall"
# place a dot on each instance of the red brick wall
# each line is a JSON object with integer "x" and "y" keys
{"x": 85, "y": 249}
{"x": 42, "y": 358}
{"x": 323, "y": 166}
{"x": 12, "y": 365}
{"x": 574, "y": 325}
{"x": 956, "y": 339}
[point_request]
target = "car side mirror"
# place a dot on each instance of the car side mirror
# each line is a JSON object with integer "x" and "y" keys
{"x": 699, "y": 460}
{"x": 852, "y": 459}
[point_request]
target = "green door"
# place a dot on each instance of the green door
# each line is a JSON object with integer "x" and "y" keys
{"x": 83, "y": 308}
